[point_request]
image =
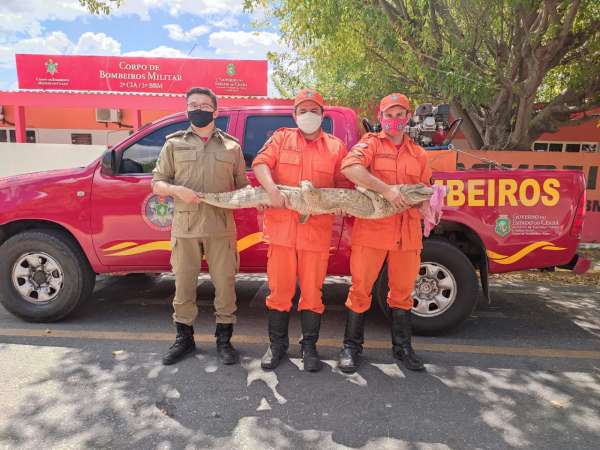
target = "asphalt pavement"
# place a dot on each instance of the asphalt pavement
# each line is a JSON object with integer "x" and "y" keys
{"x": 523, "y": 372}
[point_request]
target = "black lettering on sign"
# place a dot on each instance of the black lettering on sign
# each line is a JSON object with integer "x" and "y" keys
{"x": 592, "y": 206}
{"x": 592, "y": 177}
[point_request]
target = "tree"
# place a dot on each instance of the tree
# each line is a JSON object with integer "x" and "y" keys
{"x": 512, "y": 69}
{"x": 100, "y": 6}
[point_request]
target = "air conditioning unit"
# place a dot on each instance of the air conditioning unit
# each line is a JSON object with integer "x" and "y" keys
{"x": 108, "y": 115}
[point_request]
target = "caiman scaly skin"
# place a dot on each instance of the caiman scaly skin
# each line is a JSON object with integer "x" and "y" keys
{"x": 308, "y": 200}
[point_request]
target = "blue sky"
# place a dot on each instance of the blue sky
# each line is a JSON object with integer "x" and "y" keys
{"x": 163, "y": 28}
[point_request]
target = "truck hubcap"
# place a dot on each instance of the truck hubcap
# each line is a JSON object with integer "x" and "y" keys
{"x": 435, "y": 290}
{"x": 37, "y": 277}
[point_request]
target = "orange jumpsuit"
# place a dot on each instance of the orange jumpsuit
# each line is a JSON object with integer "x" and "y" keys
{"x": 299, "y": 250}
{"x": 397, "y": 238}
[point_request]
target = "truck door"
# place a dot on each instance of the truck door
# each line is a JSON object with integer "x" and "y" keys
{"x": 131, "y": 227}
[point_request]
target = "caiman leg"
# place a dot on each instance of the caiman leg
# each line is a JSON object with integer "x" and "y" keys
{"x": 311, "y": 197}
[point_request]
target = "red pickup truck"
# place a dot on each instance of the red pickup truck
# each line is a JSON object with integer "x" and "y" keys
{"x": 60, "y": 228}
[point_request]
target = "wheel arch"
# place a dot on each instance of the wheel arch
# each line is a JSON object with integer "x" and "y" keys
{"x": 13, "y": 228}
{"x": 468, "y": 242}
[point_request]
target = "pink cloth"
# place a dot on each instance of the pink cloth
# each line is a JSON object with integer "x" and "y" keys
{"x": 431, "y": 211}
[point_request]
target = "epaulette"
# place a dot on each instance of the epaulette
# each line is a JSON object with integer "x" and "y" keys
{"x": 228, "y": 136}
{"x": 333, "y": 137}
{"x": 177, "y": 133}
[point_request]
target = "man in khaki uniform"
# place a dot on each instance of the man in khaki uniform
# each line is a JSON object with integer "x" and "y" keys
{"x": 201, "y": 159}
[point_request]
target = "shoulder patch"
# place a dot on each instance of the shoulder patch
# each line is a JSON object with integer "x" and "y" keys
{"x": 177, "y": 133}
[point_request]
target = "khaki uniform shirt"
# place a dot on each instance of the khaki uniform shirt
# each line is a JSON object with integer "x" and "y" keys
{"x": 215, "y": 166}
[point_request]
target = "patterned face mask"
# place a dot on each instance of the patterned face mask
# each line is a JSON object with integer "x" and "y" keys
{"x": 394, "y": 126}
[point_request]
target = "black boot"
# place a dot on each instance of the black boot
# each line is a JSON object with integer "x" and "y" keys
{"x": 311, "y": 323}
{"x": 278, "y": 335}
{"x": 227, "y": 354}
{"x": 349, "y": 358}
{"x": 401, "y": 340}
{"x": 184, "y": 344}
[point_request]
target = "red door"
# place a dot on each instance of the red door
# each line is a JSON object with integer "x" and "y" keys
{"x": 131, "y": 226}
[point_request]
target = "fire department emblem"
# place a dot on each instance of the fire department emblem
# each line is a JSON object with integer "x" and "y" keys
{"x": 231, "y": 69}
{"x": 503, "y": 226}
{"x": 51, "y": 67}
{"x": 158, "y": 212}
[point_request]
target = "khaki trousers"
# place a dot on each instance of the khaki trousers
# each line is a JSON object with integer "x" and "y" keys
{"x": 223, "y": 263}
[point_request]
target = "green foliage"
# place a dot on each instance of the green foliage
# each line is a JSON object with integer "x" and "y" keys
{"x": 101, "y": 6}
{"x": 486, "y": 56}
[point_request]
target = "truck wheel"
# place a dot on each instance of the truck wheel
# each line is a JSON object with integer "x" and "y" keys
{"x": 446, "y": 289}
{"x": 43, "y": 275}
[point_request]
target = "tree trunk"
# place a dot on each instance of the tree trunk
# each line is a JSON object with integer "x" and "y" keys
{"x": 468, "y": 126}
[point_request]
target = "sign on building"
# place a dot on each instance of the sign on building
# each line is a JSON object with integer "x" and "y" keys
{"x": 139, "y": 74}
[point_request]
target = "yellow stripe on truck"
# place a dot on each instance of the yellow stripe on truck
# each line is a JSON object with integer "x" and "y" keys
{"x": 131, "y": 248}
{"x": 503, "y": 259}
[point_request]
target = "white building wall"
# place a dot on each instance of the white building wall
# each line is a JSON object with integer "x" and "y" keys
{"x": 63, "y": 136}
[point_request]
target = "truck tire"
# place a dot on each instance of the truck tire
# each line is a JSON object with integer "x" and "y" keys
{"x": 446, "y": 290}
{"x": 43, "y": 275}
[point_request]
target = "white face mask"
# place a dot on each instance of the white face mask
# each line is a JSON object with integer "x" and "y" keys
{"x": 309, "y": 122}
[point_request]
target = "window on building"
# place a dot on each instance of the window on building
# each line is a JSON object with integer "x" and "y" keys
{"x": 11, "y": 136}
{"x": 555, "y": 147}
{"x": 141, "y": 157}
{"x": 572, "y": 148}
{"x": 260, "y": 128}
{"x": 569, "y": 147}
{"x": 81, "y": 138}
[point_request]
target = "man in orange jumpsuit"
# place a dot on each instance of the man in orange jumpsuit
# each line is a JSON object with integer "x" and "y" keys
{"x": 298, "y": 250}
{"x": 378, "y": 162}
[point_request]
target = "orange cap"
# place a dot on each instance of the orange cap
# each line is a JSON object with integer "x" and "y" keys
{"x": 308, "y": 94}
{"x": 394, "y": 100}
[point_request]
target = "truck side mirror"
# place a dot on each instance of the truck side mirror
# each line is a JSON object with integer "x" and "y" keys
{"x": 109, "y": 162}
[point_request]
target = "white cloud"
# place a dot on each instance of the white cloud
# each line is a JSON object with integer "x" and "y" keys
{"x": 243, "y": 44}
{"x": 142, "y": 8}
{"x": 159, "y": 52}
{"x": 225, "y": 22}
{"x": 56, "y": 42}
{"x": 88, "y": 43}
{"x": 203, "y": 7}
{"x": 176, "y": 33}
{"x": 25, "y": 16}
{"x": 96, "y": 44}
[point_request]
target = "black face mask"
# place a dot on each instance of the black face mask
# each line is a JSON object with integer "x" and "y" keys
{"x": 200, "y": 118}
